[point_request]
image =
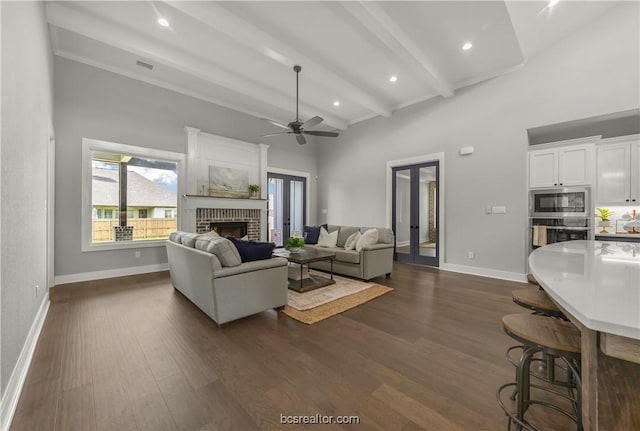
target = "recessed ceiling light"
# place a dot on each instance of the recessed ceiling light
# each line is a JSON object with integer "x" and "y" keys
{"x": 163, "y": 22}
{"x": 467, "y": 46}
{"x": 393, "y": 78}
{"x": 552, "y": 3}
{"x": 336, "y": 103}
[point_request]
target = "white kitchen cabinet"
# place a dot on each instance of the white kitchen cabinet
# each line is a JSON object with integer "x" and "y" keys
{"x": 561, "y": 166}
{"x": 618, "y": 171}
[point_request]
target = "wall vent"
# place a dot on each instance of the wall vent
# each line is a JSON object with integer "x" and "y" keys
{"x": 145, "y": 65}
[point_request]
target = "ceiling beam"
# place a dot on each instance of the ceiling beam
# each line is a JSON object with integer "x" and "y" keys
{"x": 253, "y": 37}
{"x": 118, "y": 36}
{"x": 389, "y": 33}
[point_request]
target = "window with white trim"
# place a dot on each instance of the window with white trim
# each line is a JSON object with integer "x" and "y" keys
{"x": 127, "y": 191}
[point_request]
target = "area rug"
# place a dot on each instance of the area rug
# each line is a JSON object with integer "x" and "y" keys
{"x": 316, "y": 305}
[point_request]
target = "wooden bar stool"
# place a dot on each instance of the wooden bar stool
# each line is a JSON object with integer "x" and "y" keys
{"x": 551, "y": 337}
{"x": 537, "y": 301}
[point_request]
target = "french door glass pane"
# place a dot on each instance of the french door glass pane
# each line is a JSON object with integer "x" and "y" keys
{"x": 296, "y": 208}
{"x": 276, "y": 219}
{"x": 427, "y": 212}
{"x": 403, "y": 211}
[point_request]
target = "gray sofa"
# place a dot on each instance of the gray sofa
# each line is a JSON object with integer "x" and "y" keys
{"x": 373, "y": 261}
{"x": 226, "y": 293}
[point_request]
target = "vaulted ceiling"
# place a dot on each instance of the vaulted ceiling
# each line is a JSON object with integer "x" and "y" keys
{"x": 240, "y": 54}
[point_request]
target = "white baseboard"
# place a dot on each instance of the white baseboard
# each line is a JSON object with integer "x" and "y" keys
{"x": 110, "y": 273}
{"x": 485, "y": 272}
{"x": 11, "y": 396}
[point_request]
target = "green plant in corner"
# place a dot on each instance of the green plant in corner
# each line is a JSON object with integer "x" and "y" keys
{"x": 604, "y": 214}
{"x": 294, "y": 243}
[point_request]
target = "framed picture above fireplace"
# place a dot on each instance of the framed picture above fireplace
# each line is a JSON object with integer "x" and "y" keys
{"x": 228, "y": 182}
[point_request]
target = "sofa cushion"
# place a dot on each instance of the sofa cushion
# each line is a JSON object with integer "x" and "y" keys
{"x": 203, "y": 241}
{"x": 189, "y": 239}
{"x": 350, "y": 243}
{"x": 349, "y": 256}
{"x": 327, "y": 239}
{"x": 253, "y": 250}
{"x": 331, "y": 227}
{"x": 225, "y": 251}
{"x": 175, "y": 236}
{"x": 370, "y": 237}
{"x": 311, "y": 234}
{"x": 344, "y": 233}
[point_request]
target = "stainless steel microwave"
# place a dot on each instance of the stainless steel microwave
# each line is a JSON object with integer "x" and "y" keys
{"x": 560, "y": 202}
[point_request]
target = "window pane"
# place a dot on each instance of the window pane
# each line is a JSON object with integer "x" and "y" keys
{"x": 149, "y": 189}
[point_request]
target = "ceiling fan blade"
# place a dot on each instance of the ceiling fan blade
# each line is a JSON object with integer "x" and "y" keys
{"x": 276, "y": 134}
{"x": 301, "y": 140}
{"x": 312, "y": 122}
{"x": 319, "y": 133}
{"x": 275, "y": 123}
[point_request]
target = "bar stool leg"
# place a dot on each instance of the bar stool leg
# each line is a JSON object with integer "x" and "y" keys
{"x": 522, "y": 381}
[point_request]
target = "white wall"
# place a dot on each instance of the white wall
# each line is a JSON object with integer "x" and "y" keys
{"x": 27, "y": 74}
{"x": 93, "y": 103}
{"x": 592, "y": 72}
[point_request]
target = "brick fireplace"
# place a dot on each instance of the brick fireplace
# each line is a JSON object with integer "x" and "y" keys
{"x": 205, "y": 217}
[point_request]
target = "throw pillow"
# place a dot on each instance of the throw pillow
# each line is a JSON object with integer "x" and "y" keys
{"x": 311, "y": 234}
{"x": 327, "y": 239}
{"x": 253, "y": 250}
{"x": 225, "y": 251}
{"x": 370, "y": 237}
{"x": 345, "y": 232}
{"x": 350, "y": 243}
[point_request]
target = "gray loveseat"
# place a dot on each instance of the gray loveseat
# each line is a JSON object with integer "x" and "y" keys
{"x": 225, "y": 293}
{"x": 372, "y": 261}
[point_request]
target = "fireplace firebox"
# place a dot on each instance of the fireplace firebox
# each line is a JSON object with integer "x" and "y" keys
{"x": 237, "y": 229}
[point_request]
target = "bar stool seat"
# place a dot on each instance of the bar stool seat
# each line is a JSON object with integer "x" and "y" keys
{"x": 554, "y": 337}
{"x": 536, "y": 300}
{"x": 541, "y": 331}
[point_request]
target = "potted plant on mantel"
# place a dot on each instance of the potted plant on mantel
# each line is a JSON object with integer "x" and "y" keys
{"x": 253, "y": 191}
{"x": 605, "y": 218}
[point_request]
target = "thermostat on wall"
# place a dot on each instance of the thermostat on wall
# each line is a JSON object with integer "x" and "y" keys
{"x": 466, "y": 151}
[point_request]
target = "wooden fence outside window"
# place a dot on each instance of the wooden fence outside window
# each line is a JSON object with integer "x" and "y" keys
{"x": 143, "y": 228}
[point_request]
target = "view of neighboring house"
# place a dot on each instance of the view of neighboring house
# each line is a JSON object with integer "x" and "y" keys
{"x": 151, "y": 208}
{"x": 145, "y": 199}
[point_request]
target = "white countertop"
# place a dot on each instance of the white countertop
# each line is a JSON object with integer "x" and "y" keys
{"x": 597, "y": 282}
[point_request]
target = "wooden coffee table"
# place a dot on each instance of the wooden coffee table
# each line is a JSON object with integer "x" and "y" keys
{"x": 304, "y": 257}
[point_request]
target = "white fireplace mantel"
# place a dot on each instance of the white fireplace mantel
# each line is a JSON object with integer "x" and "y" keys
{"x": 205, "y": 149}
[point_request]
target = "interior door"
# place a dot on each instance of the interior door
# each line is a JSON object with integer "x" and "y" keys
{"x": 415, "y": 213}
{"x": 286, "y": 207}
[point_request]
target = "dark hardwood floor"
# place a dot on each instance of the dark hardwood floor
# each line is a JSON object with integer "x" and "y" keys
{"x": 133, "y": 354}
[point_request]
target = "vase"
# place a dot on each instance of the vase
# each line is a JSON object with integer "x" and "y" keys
{"x": 294, "y": 249}
{"x": 604, "y": 225}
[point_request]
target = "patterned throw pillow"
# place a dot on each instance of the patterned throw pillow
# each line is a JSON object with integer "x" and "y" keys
{"x": 225, "y": 251}
{"x": 327, "y": 239}
{"x": 350, "y": 243}
{"x": 370, "y": 237}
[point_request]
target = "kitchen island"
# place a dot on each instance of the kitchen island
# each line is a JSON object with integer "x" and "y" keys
{"x": 597, "y": 286}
